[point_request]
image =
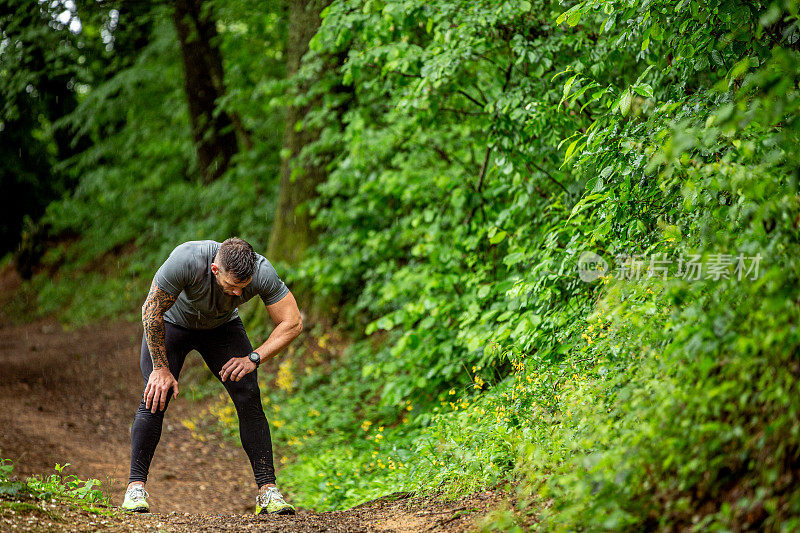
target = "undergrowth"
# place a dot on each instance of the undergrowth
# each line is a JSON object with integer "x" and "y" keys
{"x": 17, "y": 495}
{"x": 487, "y": 148}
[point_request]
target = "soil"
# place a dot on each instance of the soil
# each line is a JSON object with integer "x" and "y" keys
{"x": 70, "y": 396}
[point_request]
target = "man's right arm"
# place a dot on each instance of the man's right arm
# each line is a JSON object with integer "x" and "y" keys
{"x": 161, "y": 380}
{"x": 157, "y": 303}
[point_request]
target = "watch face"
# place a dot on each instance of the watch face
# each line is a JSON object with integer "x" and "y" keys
{"x": 254, "y": 357}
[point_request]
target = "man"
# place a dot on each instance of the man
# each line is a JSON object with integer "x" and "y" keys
{"x": 192, "y": 304}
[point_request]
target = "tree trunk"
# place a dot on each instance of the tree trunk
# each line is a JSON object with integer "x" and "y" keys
{"x": 213, "y": 130}
{"x": 291, "y": 231}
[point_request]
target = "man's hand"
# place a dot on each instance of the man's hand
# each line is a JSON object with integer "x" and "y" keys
{"x": 237, "y": 368}
{"x": 159, "y": 383}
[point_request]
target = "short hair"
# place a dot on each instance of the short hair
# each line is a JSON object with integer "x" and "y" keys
{"x": 237, "y": 258}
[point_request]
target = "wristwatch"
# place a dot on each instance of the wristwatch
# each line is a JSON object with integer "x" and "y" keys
{"x": 255, "y": 358}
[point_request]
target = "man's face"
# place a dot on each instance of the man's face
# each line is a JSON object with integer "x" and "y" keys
{"x": 230, "y": 285}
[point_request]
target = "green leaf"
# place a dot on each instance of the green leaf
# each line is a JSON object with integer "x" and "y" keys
{"x": 513, "y": 258}
{"x": 625, "y": 102}
{"x": 567, "y": 86}
{"x": 557, "y": 74}
{"x": 560, "y": 144}
{"x": 498, "y": 236}
{"x": 643, "y": 74}
{"x": 587, "y": 201}
{"x": 569, "y": 15}
{"x": 604, "y": 228}
{"x": 385, "y": 323}
{"x": 644, "y": 90}
{"x": 570, "y": 149}
{"x": 656, "y": 32}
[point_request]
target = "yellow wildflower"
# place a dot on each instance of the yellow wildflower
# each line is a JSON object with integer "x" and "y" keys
{"x": 285, "y": 379}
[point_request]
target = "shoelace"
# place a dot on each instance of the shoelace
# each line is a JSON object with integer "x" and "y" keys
{"x": 138, "y": 492}
{"x": 266, "y": 497}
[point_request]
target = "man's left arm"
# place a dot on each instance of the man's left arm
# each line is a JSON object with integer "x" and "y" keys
{"x": 288, "y": 325}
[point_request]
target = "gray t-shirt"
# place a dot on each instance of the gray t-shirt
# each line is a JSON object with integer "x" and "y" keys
{"x": 201, "y": 303}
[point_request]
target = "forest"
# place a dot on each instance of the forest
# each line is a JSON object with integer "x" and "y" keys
{"x": 549, "y": 246}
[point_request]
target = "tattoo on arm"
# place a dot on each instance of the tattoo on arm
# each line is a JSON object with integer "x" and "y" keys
{"x": 157, "y": 303}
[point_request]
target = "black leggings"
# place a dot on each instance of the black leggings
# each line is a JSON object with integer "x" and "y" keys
{"x": 217, "y": 346}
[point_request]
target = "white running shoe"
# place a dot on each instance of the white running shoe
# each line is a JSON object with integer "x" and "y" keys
{"x": 136, "y": 500}
{"x": 271, "y": 502}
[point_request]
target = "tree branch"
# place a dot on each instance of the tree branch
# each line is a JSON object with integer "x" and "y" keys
{"x": 528, "y": 164}
{"x": 484, "y": 167}
{"x": 438, "y": 149}
{"x": 470, "y": 98}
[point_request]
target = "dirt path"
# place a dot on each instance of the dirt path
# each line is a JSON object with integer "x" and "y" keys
{"x": 70, "y": 396}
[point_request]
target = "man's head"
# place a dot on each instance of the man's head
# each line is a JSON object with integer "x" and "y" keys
{"x": 234, "y": 265}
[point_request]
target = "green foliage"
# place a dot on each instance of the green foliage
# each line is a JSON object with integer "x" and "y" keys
{"x": 490, "y": 145}
{"x": 328, "y": 453}
{"x": 68, "y": 489}
{"x": 31, "y": 97}
{"x": 136, "y": 197}
{"x": 477, "y": 149}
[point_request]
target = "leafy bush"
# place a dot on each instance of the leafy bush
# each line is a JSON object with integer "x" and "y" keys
{"x": 468, "y": 185}
{"x": 486, "y": 146}
{"x": 70, "y": 489}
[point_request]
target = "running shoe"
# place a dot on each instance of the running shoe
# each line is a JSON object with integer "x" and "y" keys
{"x": 271, "y": 502}
{"x": 136, "y": 500}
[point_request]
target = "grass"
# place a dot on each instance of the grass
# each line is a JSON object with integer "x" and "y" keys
{"x": 10, "y": 508}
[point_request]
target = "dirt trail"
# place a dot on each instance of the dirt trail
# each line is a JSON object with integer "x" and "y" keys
{"x": 70, "y": 396}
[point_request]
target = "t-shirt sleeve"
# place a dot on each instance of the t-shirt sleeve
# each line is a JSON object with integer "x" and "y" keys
{"x": 176, "y": 271}
{"x": 271, "y": 288}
